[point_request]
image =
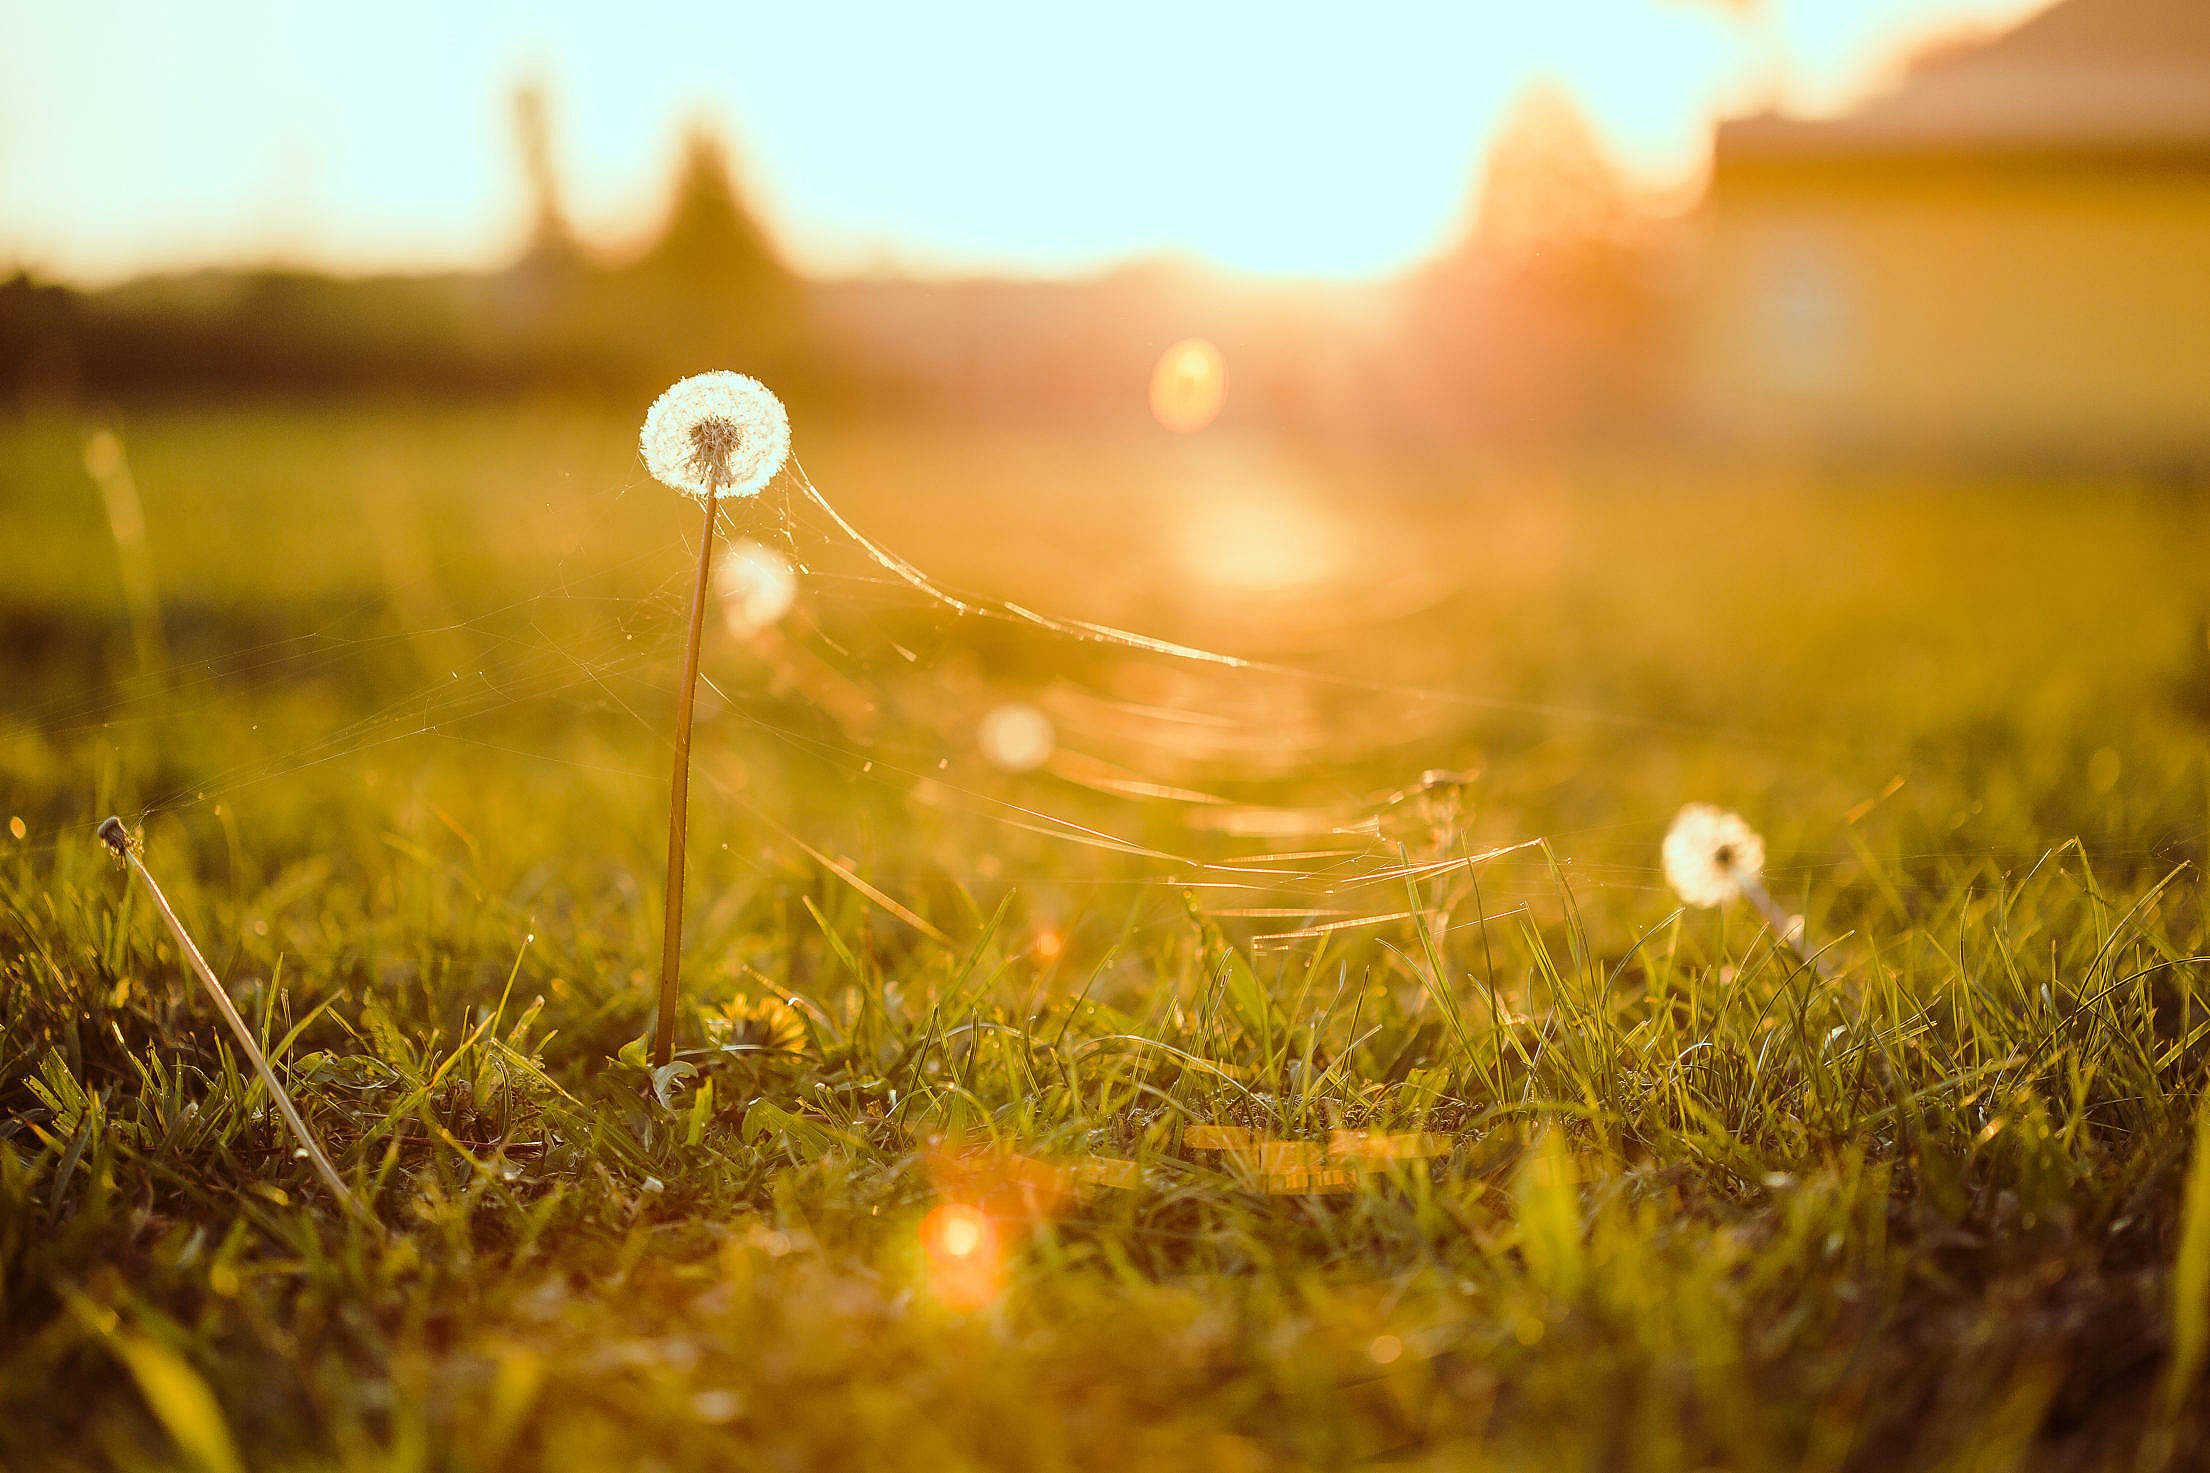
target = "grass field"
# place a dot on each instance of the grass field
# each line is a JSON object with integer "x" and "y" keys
{"x": 1201, "y": 1099}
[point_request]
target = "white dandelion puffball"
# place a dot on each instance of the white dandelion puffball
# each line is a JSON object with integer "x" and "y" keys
{"x": 720, "y": 435}
{"x": 757, "y": 585}
{"x": 1017, "y": 737}
{"x": 1710, "y": 854}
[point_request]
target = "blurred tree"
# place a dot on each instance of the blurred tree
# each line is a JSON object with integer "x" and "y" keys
{"x": 711, "y": 289}
{"x": 710, "y": 239}
{"x": 552, "y": 245}
{"x": 1548, "y": 190}
{"x": 1542, "y": 320}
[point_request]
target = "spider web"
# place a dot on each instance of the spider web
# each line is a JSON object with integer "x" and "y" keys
{"x": 1168, "y": 767}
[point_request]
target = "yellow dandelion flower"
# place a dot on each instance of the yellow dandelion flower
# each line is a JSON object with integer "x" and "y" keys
{"x": 769, "y": 1026}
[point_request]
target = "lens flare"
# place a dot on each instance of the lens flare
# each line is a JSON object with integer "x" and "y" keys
{"x": 960, "y": 1230}
{"x": 1188, "y": 386}
{"x": 965, "y": 1260}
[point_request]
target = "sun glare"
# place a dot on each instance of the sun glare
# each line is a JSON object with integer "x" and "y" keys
{"x": 1257, "y": 539}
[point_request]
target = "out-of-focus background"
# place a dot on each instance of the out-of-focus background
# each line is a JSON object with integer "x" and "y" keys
{"x": 1975, "y": 227}
{"x": 1680, "y": 372}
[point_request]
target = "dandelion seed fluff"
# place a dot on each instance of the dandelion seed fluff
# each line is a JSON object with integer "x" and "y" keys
{"x": 1710, "y": 853}
{"x": 721, "y": 435}
{"x": 1017, "y": 737}
{"x": 757, "y": 586}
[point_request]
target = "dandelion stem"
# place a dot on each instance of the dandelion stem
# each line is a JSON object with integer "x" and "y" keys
{"x": 671, "y": 938}
{"x": 119, "y": 842}
{"x": 1782, "y": 925}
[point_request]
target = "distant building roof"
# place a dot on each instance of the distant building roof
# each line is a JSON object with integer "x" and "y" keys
{"x": 2094, "y": 77}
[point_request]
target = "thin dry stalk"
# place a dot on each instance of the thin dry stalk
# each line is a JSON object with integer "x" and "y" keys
{"x": 671, "y": 936}
{"x": 118, "y": 840}
{"x": 109, "y": 468}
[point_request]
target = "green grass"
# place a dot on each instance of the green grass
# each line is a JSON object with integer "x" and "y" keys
{"x": 402, "y": 771}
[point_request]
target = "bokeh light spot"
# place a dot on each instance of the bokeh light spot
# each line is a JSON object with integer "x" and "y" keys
{"x": 1016, "y": 737}
{"x": 1189, "y": 385}
{"x": 758, "y": 585}
{"x": 964, "y": 1258}
{"x": 959, "y": 1230}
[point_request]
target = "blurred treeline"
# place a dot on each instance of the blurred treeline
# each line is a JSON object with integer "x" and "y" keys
{"x": 709, "y": 285}
{"x": 2004, "y": 255}
{"x": 1506, "y": 330}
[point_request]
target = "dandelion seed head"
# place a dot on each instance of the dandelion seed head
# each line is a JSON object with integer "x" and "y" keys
{"x": 118, "y": 839}
{"x": 1709, "y": 853}
{"x": 757, "y": 585}
{"x": 1017, "y": 737}
{"x": 721, "y": 435}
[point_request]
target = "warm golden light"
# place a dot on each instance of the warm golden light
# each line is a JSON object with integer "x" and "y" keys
{"x": 1048, "y": 946}
{"x": 757, "y": 584}
{"x": 1016, "y": 737}
{"x": 965, "y": 1258}
{"x": 960, "y": 1230}
{"x": 1188, "y": 386}
{"x": 1244, "y": 539}
{"x": 158, "y": 144}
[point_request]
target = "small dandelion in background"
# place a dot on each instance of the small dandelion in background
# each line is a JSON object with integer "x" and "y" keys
{"x": 1711, "y": 854}
{"x": 717, "y": 437}
{"x": 1712, "y": 857}
{"x": 757, "y": 585}
{"x": 1017, "y": 737}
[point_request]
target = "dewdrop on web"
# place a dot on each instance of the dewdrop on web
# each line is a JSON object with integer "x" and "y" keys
{"x": 1017, "y": 737}
{"x": 720, "y": 435}
{"x": 757, "y": 585}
